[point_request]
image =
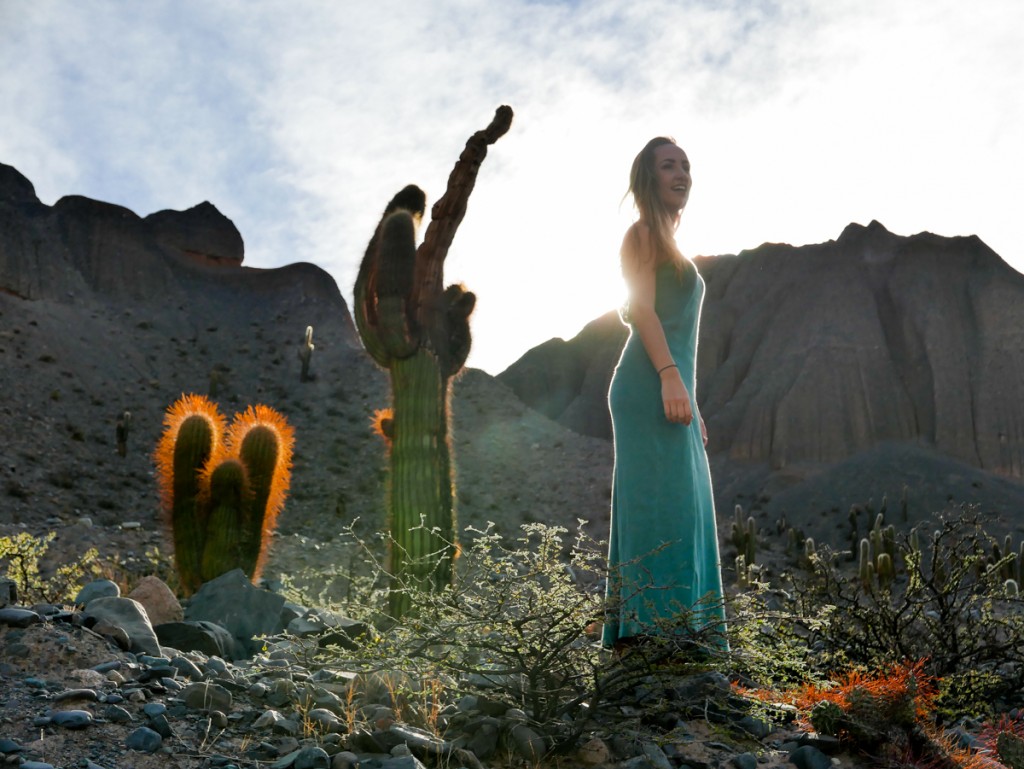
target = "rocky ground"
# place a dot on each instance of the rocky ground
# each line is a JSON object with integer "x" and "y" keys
{"x": 74, "y": 696}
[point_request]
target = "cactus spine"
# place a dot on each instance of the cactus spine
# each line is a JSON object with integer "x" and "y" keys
{"x": 419, "y": 331}
{"x": 222, "y": 489}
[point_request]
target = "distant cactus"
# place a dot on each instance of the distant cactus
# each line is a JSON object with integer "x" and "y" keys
{"x": 222, "y": 489}
{"x": 121, "y": 431}
{"x": 744, "y": 535}
{"x": 810, "y": 553}
{"x": 877, "y": 556}
{"x": 306, "y": 353}
{"x": 418, "y": 330}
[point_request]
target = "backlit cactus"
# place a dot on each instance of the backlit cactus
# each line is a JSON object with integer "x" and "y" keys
{"x": 419, "y": 331}
{"x": 222, "y": 488}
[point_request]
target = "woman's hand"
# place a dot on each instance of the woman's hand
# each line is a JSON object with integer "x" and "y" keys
{"x": 675, "y": 398}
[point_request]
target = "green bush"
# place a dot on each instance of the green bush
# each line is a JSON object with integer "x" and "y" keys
{"x": 20, "y": 557}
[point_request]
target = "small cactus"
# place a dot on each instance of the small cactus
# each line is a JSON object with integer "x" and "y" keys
{"x": 306, "y": 353}
{"x": 827, "y": 718}
{"x": 1004, "y": 739}
{"x": 121, "y": 430}
{"x": 222, "y": 488}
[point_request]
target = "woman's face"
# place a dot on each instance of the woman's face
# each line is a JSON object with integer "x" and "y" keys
{"x": 672, "y": 170}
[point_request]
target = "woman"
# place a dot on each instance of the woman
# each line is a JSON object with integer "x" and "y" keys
{"x": 663, "y": 546}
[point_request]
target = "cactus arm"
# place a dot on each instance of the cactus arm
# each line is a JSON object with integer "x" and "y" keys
{"x": 227, "y": 492}
{"x": 412, "y": 200}
{"x": 448, "y": 212}
{"x": 192, "y": 433}
{"x": 395, "y": 263}
{"x": 263, "y": 440}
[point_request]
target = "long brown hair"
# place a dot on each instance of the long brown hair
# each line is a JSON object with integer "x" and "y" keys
{"x": 643, "y": 187}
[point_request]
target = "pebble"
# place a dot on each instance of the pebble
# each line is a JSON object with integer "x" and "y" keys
{"x": 144, "y": 740}
{"x": 312, "y": 758}
{"x": 206, "y": 696}
{"x": 20, "y": 618}
{"x": 809, "y": 757}
{"x": 72, "y": 719}
{"x": 77, "y": 694}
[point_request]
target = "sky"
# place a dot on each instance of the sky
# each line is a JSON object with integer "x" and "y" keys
{"x": 299, "y": 119}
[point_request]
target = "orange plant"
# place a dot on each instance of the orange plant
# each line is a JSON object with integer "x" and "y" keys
{"x": 222, "y": 488}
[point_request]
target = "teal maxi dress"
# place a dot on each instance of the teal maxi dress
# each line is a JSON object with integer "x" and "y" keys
{"x": 663, "y": 545}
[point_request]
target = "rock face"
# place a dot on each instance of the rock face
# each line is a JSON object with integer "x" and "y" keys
{"x": 84, "y": 248}
{"x": 568, "y": 381}
{"x": 815, "y": 353}
{"x": 103, "y": 312}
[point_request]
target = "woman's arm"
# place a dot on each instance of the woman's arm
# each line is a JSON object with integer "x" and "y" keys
{"x": 638, "y": 268}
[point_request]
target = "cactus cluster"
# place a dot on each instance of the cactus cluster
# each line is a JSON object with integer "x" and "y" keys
{"x": 222, "y": 487}
{"x": 418, "y": 329}
{"x": 1010, "y": 564}
{"x": 744, "y": 538}
{"x": 877, "y": 555}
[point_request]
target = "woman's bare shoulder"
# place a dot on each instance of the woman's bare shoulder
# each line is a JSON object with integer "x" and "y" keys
{"x": 636, "y": 244}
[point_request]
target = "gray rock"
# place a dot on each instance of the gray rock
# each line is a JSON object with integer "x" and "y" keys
{"x": 401, "y": 762}
{"x": 36, "y": 765}
{"x": 528, "y": 743}
{"x": 755, "y": 726}
{"x": 206, "y": 696}
{"x": 128, "y": 615}
{"x": 809, "y": 757}
{"x": 16, "y": 617}
{"x": 744, "y": 761}
{"x": 161, "y": 726}
{"x": 346, "y": 759}
{"x": 312, "y": 758}
{"x": 484, "y": 734}
{"x": 72, "y": 719}
{"x": 98, "y": 588}
{"x": 232, "y": 602}
{"x": 208, "y": 638}
{"x": 76, "y": 694}
{"x": 144, "y": 740}
{"x": 325, "y": 721}
{"x": 183, "y": 665}
{"x": 116, "y": 714}
{"x": 656, "y": 756}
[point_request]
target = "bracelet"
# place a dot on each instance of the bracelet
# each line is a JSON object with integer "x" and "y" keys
{"x": 666, "y": 368}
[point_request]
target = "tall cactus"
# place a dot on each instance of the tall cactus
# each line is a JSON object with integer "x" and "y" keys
{"x": 222, "y": 489}
{"x": 418, "y": 330}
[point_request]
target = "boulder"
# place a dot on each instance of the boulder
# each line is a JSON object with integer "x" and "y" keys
{"x": 128, "y": 615}
{"x": 232, "y": 602}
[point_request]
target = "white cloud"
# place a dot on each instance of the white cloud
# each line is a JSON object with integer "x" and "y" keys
{"x": 299, "y": 120}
